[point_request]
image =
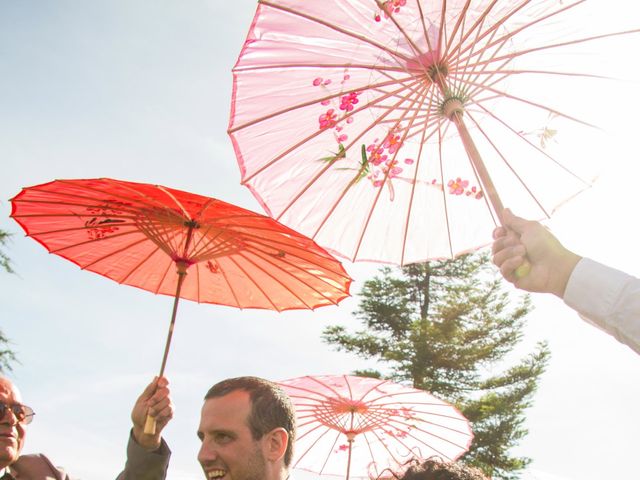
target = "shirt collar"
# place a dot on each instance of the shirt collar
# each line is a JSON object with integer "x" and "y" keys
{"x": 7, "y": 471}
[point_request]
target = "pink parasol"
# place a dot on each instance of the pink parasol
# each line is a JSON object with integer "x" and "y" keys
{"x": 391, "y": 130}
{"x": 358, "y": 426}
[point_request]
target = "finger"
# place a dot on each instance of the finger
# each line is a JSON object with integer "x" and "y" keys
{"x": 164, "y": 414}
{"x": 159, "y": 404}
{"x": 507, "y": 242}
{"x": 509, "y": 268}
{"x": 148, "y": 391}
{"x": 159, "y": 394}
{"x": 505, "y": 255}
{"x": 499, "y": 232}
{"x": 167, "y": 412}
{"x": 513, "y": 222}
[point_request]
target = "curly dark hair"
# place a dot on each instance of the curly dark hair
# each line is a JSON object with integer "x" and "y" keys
{"x": 436, "y": 469}
{"x": 270, "y": 407}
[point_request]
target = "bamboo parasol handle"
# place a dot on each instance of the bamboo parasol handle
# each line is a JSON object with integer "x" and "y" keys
{"x": 181, "y": 270}
{"x": 485, "y": 179}
{"x": 150, "y": 421}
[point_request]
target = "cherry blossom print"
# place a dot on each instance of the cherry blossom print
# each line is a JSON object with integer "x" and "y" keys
{"x": 457, "y": 186}
{"x": 332, "y": 117}
{"x": 460, "y": 187}
{"x": 328, "y": 119}
{"x": 348, "y": 101}
{"x": 392, "y": 142}
{"x": 376, "y": 153}
{"x": 390, "y": 7}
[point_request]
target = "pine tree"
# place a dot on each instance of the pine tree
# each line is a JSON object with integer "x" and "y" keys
{"x": 7, "y": 356}
{"x": 5, "y": 262}
{"x": 446, "y": 326}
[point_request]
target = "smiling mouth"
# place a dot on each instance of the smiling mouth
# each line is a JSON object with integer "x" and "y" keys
{"x": 217, "y": 473}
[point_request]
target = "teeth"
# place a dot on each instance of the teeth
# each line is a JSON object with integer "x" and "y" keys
{"x": 216, "y": 474}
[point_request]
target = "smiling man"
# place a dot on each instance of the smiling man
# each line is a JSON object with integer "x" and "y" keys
{"x": 247, "y": 429}
{"x": 147, "y": 455}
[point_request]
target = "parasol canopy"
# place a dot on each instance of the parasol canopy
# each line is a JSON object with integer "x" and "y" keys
{"x": 358, "y": 427}
{"x": 393, "y": 131}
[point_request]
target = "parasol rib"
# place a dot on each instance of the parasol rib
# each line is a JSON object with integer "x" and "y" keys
{"x": 223, "y": 272}
{"x": 415, "y": 178}
{"x": 336, "y": 28}
{"x": 504, "y": 159}
{"x": 511, "y": 129}
{"x": 329, "y": 164}
{"x": 561, "y": 44}
{"x": 293, "y": 251}
{"x": 276, "y": 279}
{"x": 297, "y": 106}
{"x": 329, "y": 66}
{"x": 536, "y": 104}
{"x": 510, "y": 34}
{"x": 58, "y": 251}
{"x": 255, "y": 284}
{"x": 480, "y": 35}
{"x": 139, "y": 265}
{"x": 355, "y": 179}
{"x": 386, "y": 180}
{"x": 444, "y": 197}
{"x": 298, "y": 278}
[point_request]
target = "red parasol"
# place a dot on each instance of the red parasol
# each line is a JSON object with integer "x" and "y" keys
{"x": 181, "y": 244}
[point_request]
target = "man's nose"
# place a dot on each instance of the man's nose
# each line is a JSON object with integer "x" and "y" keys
{"x": 8, "y": 417}
{"x": 206, "y": 454}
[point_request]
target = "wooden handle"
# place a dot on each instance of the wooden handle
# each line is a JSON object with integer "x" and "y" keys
{"x": 150, "y": 425}
{"x": 524, "y": 269}
{"x": 454, "y": 114}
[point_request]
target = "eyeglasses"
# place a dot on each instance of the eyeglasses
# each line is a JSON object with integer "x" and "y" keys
{"x": 22, "y": 413}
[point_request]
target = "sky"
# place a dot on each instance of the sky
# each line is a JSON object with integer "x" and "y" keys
{"x": 141, "y": 91}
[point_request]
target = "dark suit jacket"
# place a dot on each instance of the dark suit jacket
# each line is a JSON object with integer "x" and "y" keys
{"x": 140, "y": 465}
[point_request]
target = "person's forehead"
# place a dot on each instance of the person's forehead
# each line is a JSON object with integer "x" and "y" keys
{"x": 8, "y": 391}
{"x": 228, "y": 412}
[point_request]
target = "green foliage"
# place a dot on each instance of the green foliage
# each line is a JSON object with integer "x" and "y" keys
{"x": 446, "y": 326}
{"x": 367, "y": 373}
{"x": 5, "y": 261}
{"x": 7, "y": 356}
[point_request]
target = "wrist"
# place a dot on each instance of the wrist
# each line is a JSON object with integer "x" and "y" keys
{"x": 564, "y": 268}
{"x": 146, "y": 441}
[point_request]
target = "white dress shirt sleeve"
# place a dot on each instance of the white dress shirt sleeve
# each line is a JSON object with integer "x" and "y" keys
{"x": 607, "y": 298}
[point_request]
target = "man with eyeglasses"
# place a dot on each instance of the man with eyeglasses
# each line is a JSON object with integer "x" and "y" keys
{"x": 147, "y": 454}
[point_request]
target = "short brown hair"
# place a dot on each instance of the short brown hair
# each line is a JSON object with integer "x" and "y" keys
{"x": 270, "y": 407}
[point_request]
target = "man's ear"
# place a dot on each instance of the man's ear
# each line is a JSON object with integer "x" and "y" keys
{"x": 274, "y": 444}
